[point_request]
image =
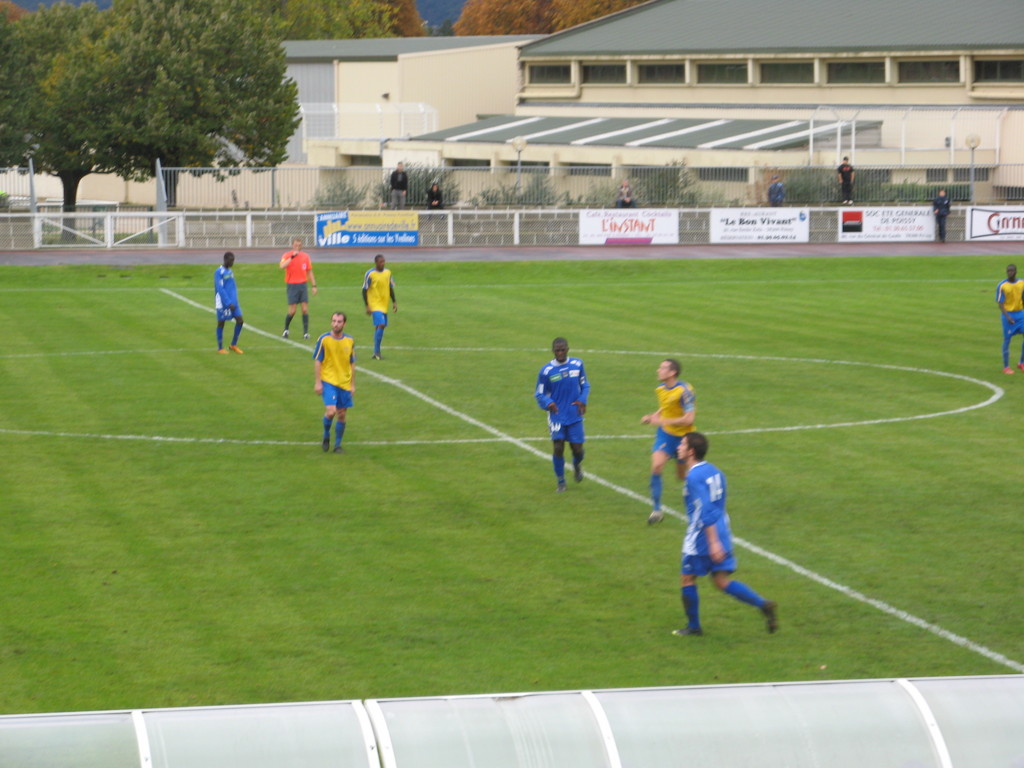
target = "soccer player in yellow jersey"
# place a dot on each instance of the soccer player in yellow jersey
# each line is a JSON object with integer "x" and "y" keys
{"x": 674, "y": 418}
{"x": 334, "y": 370}
{"x": 1010, "y": 297}
{"x": 378, "y": 287}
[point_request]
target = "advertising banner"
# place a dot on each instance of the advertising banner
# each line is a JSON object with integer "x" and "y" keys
{"x": 760, "y": 225}
{"x": 371, "y": 229}
{"x": 629, "y": 226}
{"x": 996, "y": 222}
{"x": 880, "y": 225}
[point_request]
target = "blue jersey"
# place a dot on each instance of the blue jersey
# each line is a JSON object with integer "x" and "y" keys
{"x": 563, "y": 384}
{"x": 705, "y": 506}
{"x": 225, "y": 290}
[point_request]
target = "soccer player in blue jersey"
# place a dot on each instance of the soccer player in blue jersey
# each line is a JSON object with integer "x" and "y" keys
{"x": 334, "y": 369}
{"x": 707, "y": 546}
{"x": 677, "y": 410}
{"x": 1010, "y": 297}
{"x": 562, "y": 390}
{"x": 226, "y": 304}
{"x": 378, "y": 287}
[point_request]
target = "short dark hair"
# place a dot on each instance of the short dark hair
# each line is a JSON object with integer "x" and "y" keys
{"x": 343, "y": 315}
{"x": 698, "y": 443}
{"x": 674, "y": 365}
{"x": 559, "y": 340}
{"x": 229, "y": 255}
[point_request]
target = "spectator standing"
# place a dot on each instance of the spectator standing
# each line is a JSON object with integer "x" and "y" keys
{"x": 776, "y": 192}
{"x": 846, "y": 176}
{"x": 940, "y": 206}
{"x": 399, "y": 187}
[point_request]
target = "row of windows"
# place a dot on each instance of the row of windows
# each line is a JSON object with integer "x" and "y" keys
{"x": 782, "y": 73}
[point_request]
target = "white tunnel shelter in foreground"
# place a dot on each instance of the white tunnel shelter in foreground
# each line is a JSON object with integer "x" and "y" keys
{"x": 966, "y": 722}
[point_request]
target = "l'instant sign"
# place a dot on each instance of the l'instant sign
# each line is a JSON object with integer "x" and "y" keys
{"x": 376, "y": 229}
{"x": 884, "y": 225}
{"x": 760, "y": 225}
{"x": 629, "y": 226}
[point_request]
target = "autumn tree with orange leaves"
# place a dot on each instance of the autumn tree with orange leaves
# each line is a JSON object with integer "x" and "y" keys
{"x": 524, "y": 17}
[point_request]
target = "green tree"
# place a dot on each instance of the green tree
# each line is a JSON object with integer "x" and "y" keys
{"x": 200, "y": 83}
{"x": 62, "y": 60}
{"x": 14, "y": 98}
{"x": 189, "y": 82}
{"x": 330, "y": 19}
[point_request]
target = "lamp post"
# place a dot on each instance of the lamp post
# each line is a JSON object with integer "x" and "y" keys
{"x": 519, "y": 144}
{"x": 972, "y": 141}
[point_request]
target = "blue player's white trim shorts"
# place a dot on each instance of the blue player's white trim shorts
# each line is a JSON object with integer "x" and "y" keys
{"x": 379, "y": 318}
{"x": 702, "y": 565}
{"x": 226, "y": 313}
{"x": 663, "y": 441}
{"x": 571, "y": 432}
{"x": 336, "y": 396}
{"x": 1017, "y": 326}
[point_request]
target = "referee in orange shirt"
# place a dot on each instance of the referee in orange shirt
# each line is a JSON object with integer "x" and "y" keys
{"x": 298, "y": 270}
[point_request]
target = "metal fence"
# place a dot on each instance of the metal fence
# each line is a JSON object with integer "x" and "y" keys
{"x": 538, "y": 186}
{"x": 276, "y": 229}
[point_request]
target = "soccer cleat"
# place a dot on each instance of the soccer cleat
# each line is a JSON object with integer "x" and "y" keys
{"x": 222, "y": 351}
{"x": 338, "y": 449}
{"x": 688, "y": 632}
{"x": 561, "y": 487}
{"x": 770, "y": 619}
{"x": 577, "y": 473}
{"x": 1021, "y": 366}
{"x": 305, "y": 335}
{"x": 327, "y": 444}
{"x": 656, "y": 516}
{"x": 285, "y": 334}
{"x": 376, "y": 356}
{"x": 1008, "y": 371}
{"x": 234, "y": 348}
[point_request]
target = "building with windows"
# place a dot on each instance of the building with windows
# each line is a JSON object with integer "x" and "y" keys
{"x": 738, "y": 85}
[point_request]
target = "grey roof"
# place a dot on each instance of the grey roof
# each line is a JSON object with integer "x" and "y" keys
{"x": 751, "y": 26}
{"x": 390, "y": 48}
{"x": 675, "y": 133}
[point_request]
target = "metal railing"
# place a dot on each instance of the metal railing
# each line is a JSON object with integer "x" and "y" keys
{"x": 276, "y": 229}
{"x": 531, "y": 186}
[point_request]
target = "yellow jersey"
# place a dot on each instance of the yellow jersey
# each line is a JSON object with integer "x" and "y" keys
{"x": 336, "y": 357}
{"x": 377, "y": 285}
{"x": 673, "y": 403}
{"x": 1011, "y": 295}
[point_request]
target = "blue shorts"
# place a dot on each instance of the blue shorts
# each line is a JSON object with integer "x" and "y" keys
{"x": 571, "y": 432}
{"x": 379, "y": 318}
{"x": 336, "y": 396}
{"x": 702, "y": 565}
{"x": 1017, "y": 326}
{"x": 225, "y": 313}
{"x": 667, "y": 443}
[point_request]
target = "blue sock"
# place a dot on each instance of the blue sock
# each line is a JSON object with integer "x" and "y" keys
{"x": 691, "y": 604}
{"x": 656, "y": 491}
{"x": 378, "y": 337}
{"x": 559, "y": 464}
{"x": 238, "y": 332}
{"x": 327, "y": 428}
{"x": 220, "y": 337}
{"x": 744, "y": 594}
{"x": 339, "y": 431}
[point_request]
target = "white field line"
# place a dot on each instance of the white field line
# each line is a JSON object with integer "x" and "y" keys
{"x": 499, "y": 436}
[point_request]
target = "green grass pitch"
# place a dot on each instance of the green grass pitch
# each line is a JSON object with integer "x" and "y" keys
{"x": 172, "y": 534}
